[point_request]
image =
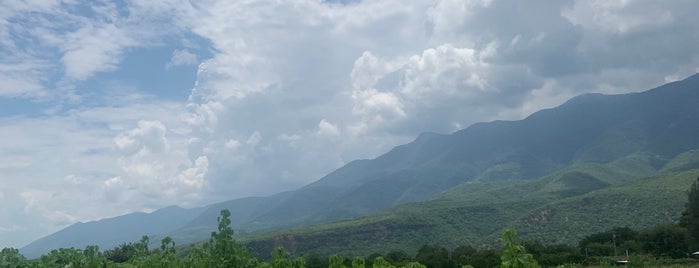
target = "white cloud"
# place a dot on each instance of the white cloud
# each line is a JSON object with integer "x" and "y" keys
{"x": 444, "y": 70}
{"x": 232, "y": 144}
{"x": 379, "y": 106}
{"x": 113, "y": 181}
{"x": 327, "y": 129}
{"x": 148, "y": 137}
{"x": 94, "y": 48}
{"x": 182, "y": 58}
{"x": 20, "y": 80}
{"x": 620, "y": 16}
{"x": 292, "y": 89}
{"x": 78, "y": 149}
{"x": 194, "y": 176}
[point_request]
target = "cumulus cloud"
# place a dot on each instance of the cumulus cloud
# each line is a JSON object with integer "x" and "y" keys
{"x": 295, "y": 89}
{"x": 73, "y": 159}
{"x": 194, "y": 176}
{"x": 382, "y": 71}
{"x": 327, "y": 129}
{"x": 148, "y": 137}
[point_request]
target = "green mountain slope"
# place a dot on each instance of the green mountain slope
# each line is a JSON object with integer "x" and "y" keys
{"x": 559, "y": 208}
{"x": 640, "y": 204}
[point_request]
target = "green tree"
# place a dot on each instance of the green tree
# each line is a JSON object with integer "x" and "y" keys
{"x": 280, "y": 258}
{"x": 553, "y": 255}
{"x": 221, "y": 250}
{"x": 605, "y": 243}
{"x": 336, "y": 261}
{"x": 666, "y": 240}
{"x": 414, "y": 265}
{"x": 62, "y": 257}
{"x": 485, "y": 258}
{"x": 514, "y": 254}
{"x": 121, "y": 253}
{"x": 10, "y": 257}
{"x": 92, "y": 257}
{"x": 398, "y": 257}
{"x": 299, "y": 262}
{"x": 690, "y": 216}
{"x": 380, "y": 262}
{"x": 167, "y": 246}
{"x": 433, "y": 257}
{"x": 358, "y": 262}
{"x": 462, "y": 254}
{"x": 314, "y": 260}
{"x": 141, "y": 248}
{"x": 370, "y": 259}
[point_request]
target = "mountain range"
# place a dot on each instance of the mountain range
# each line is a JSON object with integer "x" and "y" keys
{"x": 549, "y": 175}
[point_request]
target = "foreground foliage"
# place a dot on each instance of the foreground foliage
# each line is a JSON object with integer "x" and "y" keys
{"x": 223, "y": 251}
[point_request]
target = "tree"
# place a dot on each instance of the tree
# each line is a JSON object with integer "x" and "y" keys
{"x": 141, "y": 247}
{"x": 336, "y": 261}
{"x": 370, "y": 259}
{"x": 666, "y": 240}
{"x": 553, "y": 255}
{"x": 121, "y": 253}
{"x": 414, "y": 265}
{"x": 10, "y": 257}
{"x": 380, "y": 262}
{"x": 462, "y": 254}
{"x": 514, "y": 254}
{"x": 358, "y": 262}
{"x": 433, "y": 256}
{"x": 606, "y": 243}
{"x": 398, "y": 257}
{"x": 62, "y": 257}
{"x": 280, "y": 258}
{"x": 314, "y": 260}
{"x": 221, "y": 250}
{"x": 299, "y": 262}
{"x": 690, "y": 216}
{"x": 485, "y": 258}
{"x": 92, "y": 257}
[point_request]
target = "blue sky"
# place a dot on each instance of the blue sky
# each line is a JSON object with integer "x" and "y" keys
{"x": 111, "y": 107}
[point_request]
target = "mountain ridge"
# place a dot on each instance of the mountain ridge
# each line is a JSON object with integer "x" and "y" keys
{"x": 591, "y": 128}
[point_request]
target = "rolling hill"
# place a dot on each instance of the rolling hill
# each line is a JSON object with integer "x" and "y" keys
{"x": 590, "y": 143}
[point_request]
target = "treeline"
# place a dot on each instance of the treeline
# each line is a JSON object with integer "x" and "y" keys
{"x": 223, "y": 251}
{"x": 666, "y": 242}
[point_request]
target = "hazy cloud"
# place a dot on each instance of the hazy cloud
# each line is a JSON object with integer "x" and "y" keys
{"x": 182, "y": 58}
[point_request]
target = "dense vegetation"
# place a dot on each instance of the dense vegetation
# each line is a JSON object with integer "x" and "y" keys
{"x": 477, "y": 214}
{"x": 669, "y": 241}
{"x": 223, "y": 251}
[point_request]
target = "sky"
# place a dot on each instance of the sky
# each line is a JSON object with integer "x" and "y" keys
{"x": 112, "y": 107}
